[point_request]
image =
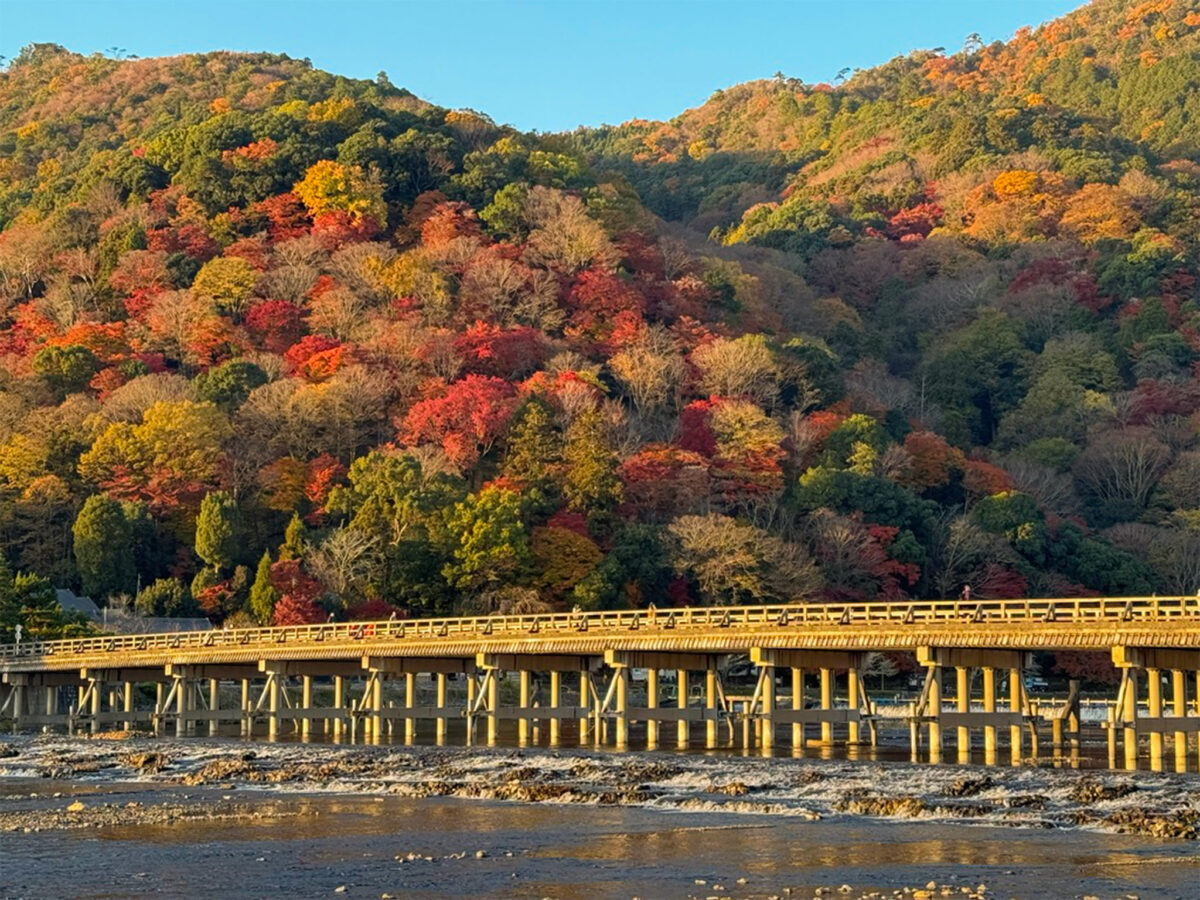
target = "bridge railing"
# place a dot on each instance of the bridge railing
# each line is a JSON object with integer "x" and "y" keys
{"x": 1083, "y": 610}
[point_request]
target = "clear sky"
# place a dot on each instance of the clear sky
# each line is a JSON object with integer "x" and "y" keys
{"x": 548, "y": 65}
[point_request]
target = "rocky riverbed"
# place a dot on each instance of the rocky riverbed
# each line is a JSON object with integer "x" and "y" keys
{"x": 1162, "y": 806}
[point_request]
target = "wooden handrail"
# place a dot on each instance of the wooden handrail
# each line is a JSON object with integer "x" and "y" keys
{"x": 984, "y": 613}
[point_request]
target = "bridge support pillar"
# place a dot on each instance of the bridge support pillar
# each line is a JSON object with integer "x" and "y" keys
{"x": 710, "y": 707}
{"x": 1179, "y": 707}
{"x": 156, "y": 720}
{"x": 17, "y": 699}
{"x": 652, "y": 705}
{"x": 410, "y": 704}
{"x": 247, "y": 714}
{"x": 492, "y": 682}
{"x": 929, "y": 708}
{"x": 96, "y": 696}
{"x": 962, "y": 700}
{"x": 1156, "y": 661}
{"x": 1155, "y": 708}
{"x": 682, "y": 727}
{"x": 1130, "y": 716}
{"x": 621, "y": 710}
{"x": 767, "y": 705}
{"x": 273, "y": 697}
{"x": 989, "y": 707}
{"x": 127, "y": 704}
{"x": 51, "y": 704}
{"x": 523, "y": 701}
{"x": 339, "y": 707}
{"x": 214, "y": 705}
{"x": 826, "y": 675}
{"x": 852, "y": 701}
{"x": 585, "y": 704}
{"x": 797, "y": 706}
{"x": 935, "y": 716}
{"x": 472, "y": 687}
{"x": 183, "y": 701}
{"x": 440, "y": 730}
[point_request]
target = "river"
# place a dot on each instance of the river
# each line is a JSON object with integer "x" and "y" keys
{"x": 222, "y": 818}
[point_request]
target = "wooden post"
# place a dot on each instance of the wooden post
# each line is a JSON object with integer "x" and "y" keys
{"x": 1179, "y": 707}
{"x": 523, "y": 722}
{"x": 852, "y": 695}
{"x": 52, "y": 704}
{"x": 826, "y": 705}
{"x": 622, "y": 701}
{"x": 1111, "y": 713}
{"x": 126, "y": 703}
{"x": 272, "y": 706}
{"x": 1073, "y": 719}
{"x": 97, "y": 699}
{"x": 1014, "y": 705}
{"x": 410, "y": 701}
{"x": 305, "y": 707}
{"x": 247, "y": 719}
{"x": 914, "y": 733}
{"x": 158, "y": 708}
{"x": 18, "y": 706}
{"x": 472, "y": 688}
{"x": 962, "y": 699}
{"x": 584, "y": 704}
{"x": 682, "y": 727}
{"x": 798, "y": 704}
{"x": 1154, "y": 697}
{"x": 710, "y": 708}
{"x": 377, "y": 709}
{"x": 182, "y": 702}
{"x": 652, "y": 705}
{"x": 555, "y": 704}
{"x": 935, "y": 713}
{"x": 989, "y": 706}
{"x": 339, "y": 704}
{"x": 493, "y": 701}
{"x": 1130, "y": 717}
{"x": 768, "y": 710}
{"x": 441, "y": 705}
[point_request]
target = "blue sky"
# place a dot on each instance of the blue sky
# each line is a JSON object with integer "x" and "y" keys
{"x": 548, "y": 65}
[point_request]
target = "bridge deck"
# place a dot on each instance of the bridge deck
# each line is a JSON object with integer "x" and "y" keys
{"x": 1099, "y": 623}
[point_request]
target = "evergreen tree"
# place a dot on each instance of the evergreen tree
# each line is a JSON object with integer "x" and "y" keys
{"x": 293, "y": 539}
{"x": 217, "y": 530}
{"x": 263, "y": 593}
{"x": 592, "y": 485}
{"x": 102, "y": 548}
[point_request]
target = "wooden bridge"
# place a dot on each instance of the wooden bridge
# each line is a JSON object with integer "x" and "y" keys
{"x": 577, "y": 671}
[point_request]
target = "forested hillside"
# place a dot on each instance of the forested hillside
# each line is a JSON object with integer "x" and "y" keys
{"x": 277, "y": 345}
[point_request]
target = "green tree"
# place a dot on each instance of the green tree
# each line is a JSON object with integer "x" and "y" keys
{"x": 534, "y": 454}
{"x": 102, "y": 548}
{"x": 263, "y": 593}
{"x": 402, "y": 507}
{"x": 28, "y": 600}
{"x": 164, "y": 597}
{"x": 591, "y": 485}
{"x": 229, "y": 384}
{"x": 293, "y": 539}
{"x": 489, "y": 545}
{"x": 217, "y": 526}
{"x": 66, "y": 369}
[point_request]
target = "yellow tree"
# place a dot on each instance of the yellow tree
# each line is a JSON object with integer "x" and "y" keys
{"x": 329, "y": 186}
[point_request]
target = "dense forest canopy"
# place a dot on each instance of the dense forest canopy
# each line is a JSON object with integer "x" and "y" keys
{"x": 277, "y": 345}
